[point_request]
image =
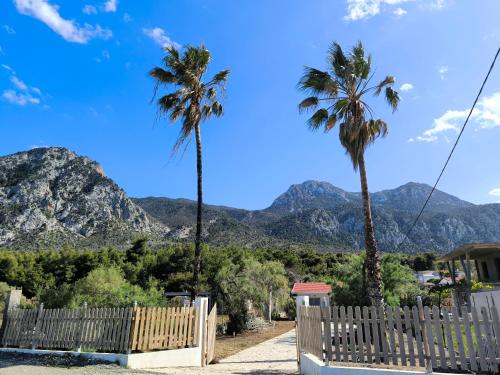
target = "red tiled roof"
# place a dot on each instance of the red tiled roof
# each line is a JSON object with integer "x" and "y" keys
{"x": 305, "y": 288}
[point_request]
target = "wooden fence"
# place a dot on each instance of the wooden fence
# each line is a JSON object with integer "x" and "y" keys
{"x": 444, "y": 339}
{"x": 164, "y": 328}
{"x": 102, "y": 329}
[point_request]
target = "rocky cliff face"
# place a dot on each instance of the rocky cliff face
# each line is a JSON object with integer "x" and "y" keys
{"x": 52, "y": 197}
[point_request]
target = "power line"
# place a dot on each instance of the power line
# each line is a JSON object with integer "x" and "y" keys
{"x": 452, "y": 150}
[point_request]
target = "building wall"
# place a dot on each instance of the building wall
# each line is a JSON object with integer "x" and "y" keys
{"x": 493, "y": 272}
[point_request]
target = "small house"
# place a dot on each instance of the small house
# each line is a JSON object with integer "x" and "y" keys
{"x": 312, "y": 294}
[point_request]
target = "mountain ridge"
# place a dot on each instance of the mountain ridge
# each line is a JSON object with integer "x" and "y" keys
{"x": 51, "y": 197}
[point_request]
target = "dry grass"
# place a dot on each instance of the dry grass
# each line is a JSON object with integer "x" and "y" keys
{"x": 229, "y": 345}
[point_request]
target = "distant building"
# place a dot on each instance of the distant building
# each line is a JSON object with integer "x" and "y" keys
{"x": 312, "y": 294}
{"x": 480, "y": 262}
{"x": 423, "y": 277}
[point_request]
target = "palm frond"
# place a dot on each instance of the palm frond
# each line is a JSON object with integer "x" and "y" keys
{"x": 392, "y": 98}
{"x": 318, "y": 119}
{"x": 337, "y": 60}
{"x": 317, "y": 82}
{"x": 388, "y": 81}
{"x": 308, "y": 103}
{"x": 330, "y": 123}
{"x": 221, "y": 76}
{"x": 167, "y": 102}
{"x": 217, "y": 109}
{"x": 206, "y": 111}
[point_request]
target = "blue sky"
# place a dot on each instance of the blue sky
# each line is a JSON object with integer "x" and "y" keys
{"x": 74, "y": 74}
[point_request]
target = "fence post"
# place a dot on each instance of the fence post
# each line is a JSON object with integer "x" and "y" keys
{"x": 80, "y": 327}
{"x": 37, "y": 327}
{"x": 12, "y": 300}
{"x": 201, "y": 303}
{"x": 327, "y": 329}
{"x": 428, "y": 364}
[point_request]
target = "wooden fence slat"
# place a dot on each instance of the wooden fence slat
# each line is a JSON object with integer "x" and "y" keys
{"x": 352, "y": 336}
{"x": 327, "y": 324}
{"x": 470, "y": 344}
{"x": 459, "y": 338}
{"x": 449, "y": 339}
{"x": 359, "y": 325}
{"x": 409, "y": 335}
{"x": 392, "y": 341}
{"x": 171, "y": 327}
{"x": 343, "y": 327}
{"x": 336, "y": 336}
{"x": 190, "y": 327}
{"x": 490, "y": 345}
{"x": 383, "y": 334}
{"x": 496, "y": 328}
{"x": 376, "y": 337}
{"x": 429, "y": 336}
{"x": 418, "y": 335}
{"x": 480, "y": 346}
{"x": 399, "y": 326}
{"x": 438, "y": 332}
{"x": 367, "y": 335}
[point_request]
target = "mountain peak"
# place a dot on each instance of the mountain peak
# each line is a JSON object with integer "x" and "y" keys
{"x": 50, "y": 196}
{"x": 310, "y": 194}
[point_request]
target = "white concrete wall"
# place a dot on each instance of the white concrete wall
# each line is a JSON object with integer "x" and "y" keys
{"x": 310, "y": 365}
{"x": 187, "y": 357}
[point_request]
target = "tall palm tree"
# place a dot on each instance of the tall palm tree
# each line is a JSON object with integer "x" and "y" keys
{"x": 193, "y": 101}
{"x": 339, "y": 95}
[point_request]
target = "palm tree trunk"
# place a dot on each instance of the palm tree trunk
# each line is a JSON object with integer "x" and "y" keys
{"x": 197, "y": 241}
{"x": 372, "y": 261}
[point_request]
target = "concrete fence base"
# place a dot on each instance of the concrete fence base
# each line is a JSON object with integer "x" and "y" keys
{"x": 187, "y": 357}
{"x": 310, "y": 365}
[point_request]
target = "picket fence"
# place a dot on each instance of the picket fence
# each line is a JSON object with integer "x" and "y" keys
{"x": 102, "y": 329}
{"x": 446, "y": 339}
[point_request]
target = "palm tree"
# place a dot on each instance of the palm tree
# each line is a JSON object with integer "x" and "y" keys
{"x": 193, "y": 101}
{"x": 338, "y": 95}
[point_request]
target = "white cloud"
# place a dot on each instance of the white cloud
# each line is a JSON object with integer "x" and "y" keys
{"x": 438, "y": 4}
{"x": 89, "y": 9}
{"x": 495, "y": 192}
{"x": 127, "y": 18}
{"x": 486, "y": 114}
{"x": 110, "y": 6}
{"x": 399, "y": 12}
{"x": 406, "y": 87}
{"x": 361, "y": 9}
{"x": 68, "y": 29}
{"x": 159, "y": 36}
{"x": 18, "y": 83}
{"x": 443, "y": 70}
{"x": 105, "y": 55}
{"x": 20, "y": 99}
{"x": 8, "y": 29}
{"x": 6, "y": 67}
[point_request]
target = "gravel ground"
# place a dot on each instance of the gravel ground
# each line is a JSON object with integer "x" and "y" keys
{"x": 274, "y": 356}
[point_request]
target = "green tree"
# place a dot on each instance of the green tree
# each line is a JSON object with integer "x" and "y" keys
{"x": 102, "y": 287}
{"x": 193, "y": 100}
{"x": 243, "y": 280}
{"x": 339, "y": 95}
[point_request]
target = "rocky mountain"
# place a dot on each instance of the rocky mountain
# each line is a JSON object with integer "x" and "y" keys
{"x": 50, "y": 197}
{"x": 326, "y": 217}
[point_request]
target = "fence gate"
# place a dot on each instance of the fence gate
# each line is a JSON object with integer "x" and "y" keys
{"x": 211, "y": 333}
{"x": 445, "y": 339}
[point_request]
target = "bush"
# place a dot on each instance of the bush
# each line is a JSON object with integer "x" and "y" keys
{"x": 102, "y": 287}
